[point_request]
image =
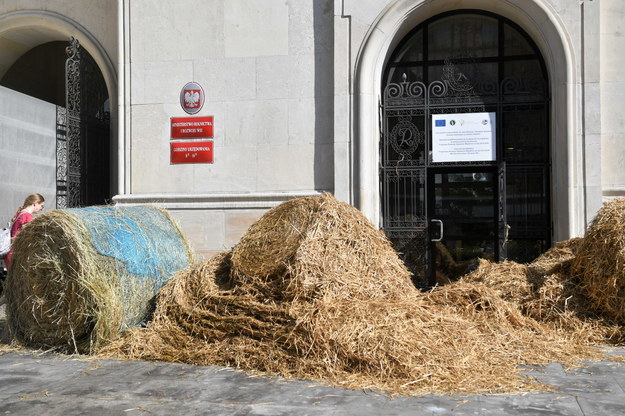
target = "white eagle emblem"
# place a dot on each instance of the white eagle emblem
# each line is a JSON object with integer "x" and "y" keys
{"x": 191, "y": 99}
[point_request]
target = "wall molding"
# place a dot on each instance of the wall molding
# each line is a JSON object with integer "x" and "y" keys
{"x": 539, "y": 21}
{"x": 224, "y": 201}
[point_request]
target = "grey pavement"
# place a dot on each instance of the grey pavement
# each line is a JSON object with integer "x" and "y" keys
{"x": 35, "y": 383}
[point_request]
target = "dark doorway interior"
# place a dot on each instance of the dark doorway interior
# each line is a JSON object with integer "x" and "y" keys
{"x": 40, "y": 73}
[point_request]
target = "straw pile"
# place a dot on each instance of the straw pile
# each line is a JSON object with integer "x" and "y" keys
{"x": 600, "y": 261}
{"x": 549, "y": 293}
{"x": 314, "y": 291}
{"x": 80, "y": 276}
{"x": 309, "y": 247}
{"x": 543, "y": 288}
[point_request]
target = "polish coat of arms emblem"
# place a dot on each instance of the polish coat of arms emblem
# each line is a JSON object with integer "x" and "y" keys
{"x": 192, "y": 98}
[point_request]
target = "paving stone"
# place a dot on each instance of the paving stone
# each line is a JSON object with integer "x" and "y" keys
{"x": 54, "y": 384}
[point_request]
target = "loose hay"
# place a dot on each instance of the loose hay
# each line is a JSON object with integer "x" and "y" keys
{"x": 548, "y": 292}
{"x": 600, "y": 261}
{"x": 80, "y": 276}
{"x": 331, "y": 301}
{"x": 414, "y": 345}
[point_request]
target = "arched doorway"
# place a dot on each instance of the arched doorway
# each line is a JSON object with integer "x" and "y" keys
{"x": 464, "y": 153}
{"x": 62, "y": 73}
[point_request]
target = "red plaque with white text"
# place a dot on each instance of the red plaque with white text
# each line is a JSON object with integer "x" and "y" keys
{"x": 191, "y": 152}
{"x": 192, "y": 127}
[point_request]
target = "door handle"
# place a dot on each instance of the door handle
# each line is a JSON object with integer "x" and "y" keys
{"x": 505, "y": 237}
{"x": 440, "y": 222}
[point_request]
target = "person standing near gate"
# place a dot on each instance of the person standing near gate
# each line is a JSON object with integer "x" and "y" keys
{"x": 33, "y": 204}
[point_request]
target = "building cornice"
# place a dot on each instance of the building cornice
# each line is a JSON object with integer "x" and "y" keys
{"x": 260, "y": 200}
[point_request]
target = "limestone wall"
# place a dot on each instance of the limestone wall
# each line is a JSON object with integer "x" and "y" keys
{"x": 266, "y": 69}
{"x": 612, "y": 61}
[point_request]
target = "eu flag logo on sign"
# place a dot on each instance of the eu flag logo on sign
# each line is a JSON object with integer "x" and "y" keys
{"x": 439, "y": 123}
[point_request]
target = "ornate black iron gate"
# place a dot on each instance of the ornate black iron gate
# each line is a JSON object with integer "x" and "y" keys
{"x": 83, "y": 133}
{"x": 407, "y": 165}
{"x": 442, "y": 215}
{"x": 407, "y": 159}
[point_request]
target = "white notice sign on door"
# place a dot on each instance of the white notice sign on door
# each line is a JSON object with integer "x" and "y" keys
{"x": 465, "y": 137}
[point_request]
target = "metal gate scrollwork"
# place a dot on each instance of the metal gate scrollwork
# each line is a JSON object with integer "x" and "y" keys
{"x": 406, "y": 111}
{"x": 461, "y": 62}
{"x": 61, "y": 157}
{"x": 406, "y": 148}
{"x": 83, "y": 133}
{"x": 406, "y": 137}
{"x": 68, "y": 133}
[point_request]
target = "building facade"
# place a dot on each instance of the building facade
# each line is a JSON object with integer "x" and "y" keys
{"x": 309, "y": 96}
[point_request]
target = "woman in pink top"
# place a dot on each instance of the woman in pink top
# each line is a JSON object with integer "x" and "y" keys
{"x": 33, "y": 204}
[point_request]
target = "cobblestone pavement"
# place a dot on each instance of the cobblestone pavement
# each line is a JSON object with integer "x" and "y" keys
{"x": 34, "y": 383}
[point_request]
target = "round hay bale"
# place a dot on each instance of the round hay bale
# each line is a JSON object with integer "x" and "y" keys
{"x": 600, "y": 261}
{"x": 309, "y": 246}
{"x": 80, "y": 276}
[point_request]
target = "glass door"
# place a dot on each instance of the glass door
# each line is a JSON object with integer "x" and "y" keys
{"x": 463, "y": 220}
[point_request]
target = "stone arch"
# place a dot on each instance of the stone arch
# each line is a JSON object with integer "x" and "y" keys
{"x": 543, "y": 25}
{"x": 26, "y": 29}
{"x": 45, "y": 26}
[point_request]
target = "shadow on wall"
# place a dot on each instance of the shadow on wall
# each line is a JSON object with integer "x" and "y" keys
{"x": 40, "y": 73}
{"x": 323, "y": 15}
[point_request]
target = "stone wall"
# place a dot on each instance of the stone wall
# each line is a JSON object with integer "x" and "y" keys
{"x": 266, "y": 69}
{"x": 612, "y": 61}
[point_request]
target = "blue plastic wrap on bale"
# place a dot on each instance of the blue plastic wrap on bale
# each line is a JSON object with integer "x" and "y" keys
{"x": 80, "y": 276}
{"x": 142, "y": 238}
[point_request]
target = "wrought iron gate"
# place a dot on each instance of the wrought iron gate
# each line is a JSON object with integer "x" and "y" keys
{"x": 83, "y": 130}
{"x": 406, "y": 151}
